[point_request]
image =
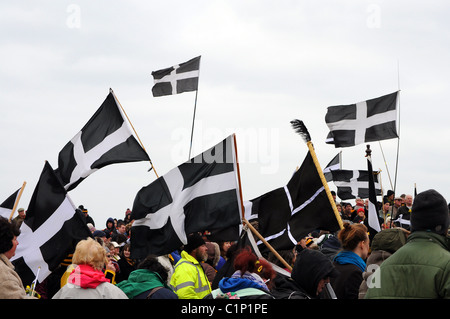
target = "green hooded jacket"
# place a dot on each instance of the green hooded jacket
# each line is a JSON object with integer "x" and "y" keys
{"x": 139, "y": 281}
{"x": 419, "y": 269}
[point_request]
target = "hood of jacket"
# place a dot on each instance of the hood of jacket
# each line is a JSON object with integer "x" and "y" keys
{"x": 140, "y": 281}
{"x": 85, "y": 276}
{"x": 310, "y": 267}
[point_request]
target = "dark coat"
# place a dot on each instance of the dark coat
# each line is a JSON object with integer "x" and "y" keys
{"x": 346, "y": 285}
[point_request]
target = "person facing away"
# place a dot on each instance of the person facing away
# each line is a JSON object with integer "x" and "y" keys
{"x": 251, "y": 279}
{"x": 148, "y": 281}
{"x": 420, "y": 268}
{"x": 189, "y": 281}
{"x": 87, "y": 281}
{"x": 350, "y": 261}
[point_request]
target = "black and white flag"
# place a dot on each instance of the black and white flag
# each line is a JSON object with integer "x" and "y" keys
{"x": 287, "y": 214}
{"x": 372, "y": 218}
{"x": 50, "y": 231}
{"x": 334, "y": 164}
{"x": 7, "y": 206}
{"x": 177, "y": 79}
{"x": 201, "y": 194}
{"x": 353, "y": 183}
{"x": 367, "y": 121}
{"x": 105, "y": 139}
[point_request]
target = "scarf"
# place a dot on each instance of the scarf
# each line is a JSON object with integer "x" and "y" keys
{"x": 139, "y": 281}
{"x": 349, "y": 257}
{"x": 238, "y": 281}
{"x": 85, "y": 276}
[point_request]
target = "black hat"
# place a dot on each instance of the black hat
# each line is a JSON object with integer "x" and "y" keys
{"x": 430, "y": 212}
{"x": 195, "y": 240}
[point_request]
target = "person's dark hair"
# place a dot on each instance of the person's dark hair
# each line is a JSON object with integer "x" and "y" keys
{"x": 7, "y": 232}
{"x": 351, "y": 235}
{"x": 151, "y": 263}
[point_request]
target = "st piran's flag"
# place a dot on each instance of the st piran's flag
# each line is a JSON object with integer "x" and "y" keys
{"x": 7, "y": 206}
{"x": 334, "y": 164}
{"x": 354, "y": 183}
{"x": 367, "y": 121}
{"x": 200, "y": 195}
{"x": 50, "y": 231}
{"x": 105, "y": 139}
{"x": 287, "y": 214}
{"x": 177, "y": 79}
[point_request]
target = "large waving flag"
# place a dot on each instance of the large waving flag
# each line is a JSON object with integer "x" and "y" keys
{"x": 177, "y": 79}
{"x": 367, "y": 121}
{"x": 50, "y": 231}
{"x": 200, "y": 195}
{"x": 287, "y": 214}
{"x": 105, "y": 139}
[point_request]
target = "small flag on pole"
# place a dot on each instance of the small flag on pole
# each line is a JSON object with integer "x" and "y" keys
{"x": 177, "y": 79}
{"x": 7, "y": 206}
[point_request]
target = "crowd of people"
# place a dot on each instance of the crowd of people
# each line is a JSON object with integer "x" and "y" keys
{"x": 408, "y": 258}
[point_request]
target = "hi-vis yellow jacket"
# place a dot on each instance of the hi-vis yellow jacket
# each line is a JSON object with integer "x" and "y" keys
{"x": 189, "y": 280}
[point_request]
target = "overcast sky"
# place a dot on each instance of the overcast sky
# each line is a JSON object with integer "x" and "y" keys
{"x": 263, "y": 64}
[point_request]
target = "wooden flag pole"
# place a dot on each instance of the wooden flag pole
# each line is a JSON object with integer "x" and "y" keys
{"x": 16, "y": 203}
{"x": 131, "y": 124}
{"x": 254, "y": 231}
{"x": 195, "y": 109}
{"x": 257, "y": 234}
{"x": 300, "y": 128}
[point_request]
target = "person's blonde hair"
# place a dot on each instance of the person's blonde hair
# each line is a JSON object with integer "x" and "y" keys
{"x": 90, "y": 252}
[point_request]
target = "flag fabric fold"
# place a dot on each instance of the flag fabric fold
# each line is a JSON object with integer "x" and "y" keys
{"x": 287, "y": 214}
{"x": 200, "y": 195}
{"x": 50, "y": 231}
{"x": 177, "y": 79}
{"x": 367, "y": 121}
{"x": 104, "y": 140}
{"x": 7, "y": 206}
{"x": 372, "y": 218}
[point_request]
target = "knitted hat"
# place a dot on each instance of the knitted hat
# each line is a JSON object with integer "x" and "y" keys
{"x": 430, "y": 212}
{"x": 195, "y": 240}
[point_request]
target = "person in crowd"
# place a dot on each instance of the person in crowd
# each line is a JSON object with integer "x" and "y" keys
{"x": 390, "y": 195}
{"x": 88, "y": 218}
{"x": 148, "y": 281}
{"x": 223, "y": 246}
{"x": 347, "y": 213}
{"x": 350, "y": 260}
{"x": 385, "y": 209}
{"x": 420, "y": 268}
{"x": 11, "y": 286}
{"x": 311, "y": 272}
{"x": 18, "y": 220}
{"x": 404, "y": 213}
{"x": 125, "y": 263}
{"x": 110, "y": 228}
{"x": 228, "y": 268}
{"x": 127, "y": 218}
{"x": 209, "y": 266}
{"x": 251, "y": 279}
{"x": 360, "y": 216}
{"x": 383, "y": 245}
{"x": 87, "y": 281}
{"x": 393, "y": 209}
{"x": 189, "y": 281}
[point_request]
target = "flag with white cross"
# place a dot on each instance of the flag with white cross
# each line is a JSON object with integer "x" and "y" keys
{"x": 177, "y": 79}
{"x": 354, "y": 183}
{"x": 105, "y": 139}
{"x": 367, "y": 121}
{"x": 200, "y": 195}
{"x": 50, "y": 231}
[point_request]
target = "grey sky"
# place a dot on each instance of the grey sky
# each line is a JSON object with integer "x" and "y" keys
{"x": 263, "y": 64}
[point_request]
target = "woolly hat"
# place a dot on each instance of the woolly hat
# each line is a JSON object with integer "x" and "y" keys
{"x": 195, "y": 240}
{"x": 430, "y": 212}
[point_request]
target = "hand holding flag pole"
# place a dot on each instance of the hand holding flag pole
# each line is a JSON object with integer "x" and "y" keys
{"x": 301, "y": 129}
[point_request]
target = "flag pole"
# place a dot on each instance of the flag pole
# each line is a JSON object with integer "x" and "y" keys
{"x": 300, "y": 128}
{"x": 245, "y": 221}
{"x": 16, "y": 203}
{"x": 131, "y": 124}
{"x": 257, "y": 234}
{"x": 195, "y": 109}
{"x": 398, "y": 139}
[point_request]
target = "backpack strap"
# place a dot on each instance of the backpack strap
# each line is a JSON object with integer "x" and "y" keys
{"x": 153, "y": 291}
